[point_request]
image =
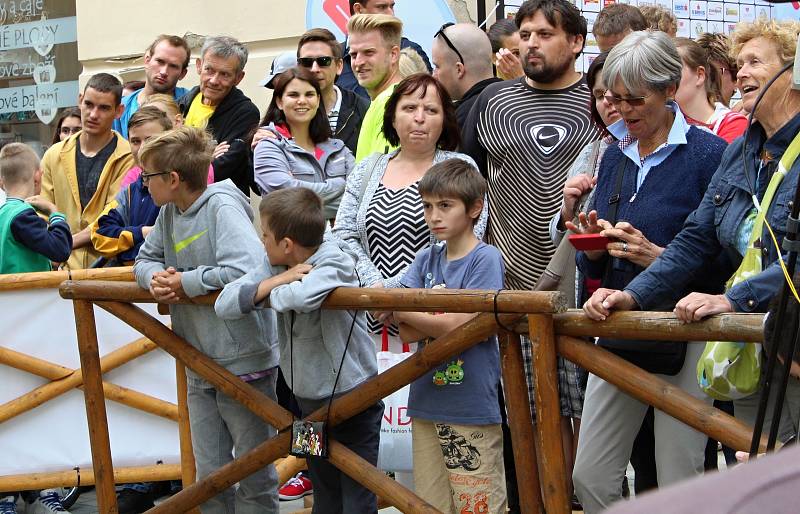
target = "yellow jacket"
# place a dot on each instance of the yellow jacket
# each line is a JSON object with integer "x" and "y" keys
{"x": 60, "y": 186}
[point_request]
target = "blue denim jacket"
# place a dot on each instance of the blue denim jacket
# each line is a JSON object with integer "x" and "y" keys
{"x": 712, "y": 228}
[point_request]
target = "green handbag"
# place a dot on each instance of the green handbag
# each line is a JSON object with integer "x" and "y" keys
{"x": 728, "y": 370}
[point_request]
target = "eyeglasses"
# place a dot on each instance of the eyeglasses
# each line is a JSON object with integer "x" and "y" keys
{"x": 322, "y": 62}
{"x": 633, "y": 101}
{"x": 447, "y": 41}
{"x": 70, "y": 130}
{"x": 147, "y": 176}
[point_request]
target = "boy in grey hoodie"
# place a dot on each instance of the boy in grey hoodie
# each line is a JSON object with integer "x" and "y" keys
{"x": 203, "y": 239}
{"x": 298, "y": 273}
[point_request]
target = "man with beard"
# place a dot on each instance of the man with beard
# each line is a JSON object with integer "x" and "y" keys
{"x": 166, "y": 61}
{"x": 524, "y": 135}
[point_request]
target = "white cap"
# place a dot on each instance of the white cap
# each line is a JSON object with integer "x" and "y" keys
{"x": 280, "y": 64}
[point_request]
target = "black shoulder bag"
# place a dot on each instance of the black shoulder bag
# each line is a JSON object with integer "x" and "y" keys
{"x": 662, "y": 357}
{"x": 310, "y": 438}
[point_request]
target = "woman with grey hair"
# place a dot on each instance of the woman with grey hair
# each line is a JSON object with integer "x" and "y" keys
{"x": 647, "y": 185}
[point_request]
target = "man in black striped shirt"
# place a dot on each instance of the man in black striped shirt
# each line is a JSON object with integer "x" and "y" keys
{"x": 525, "y": 134}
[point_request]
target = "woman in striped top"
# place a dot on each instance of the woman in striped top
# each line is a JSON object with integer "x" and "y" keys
{"x": 380, "y": 216}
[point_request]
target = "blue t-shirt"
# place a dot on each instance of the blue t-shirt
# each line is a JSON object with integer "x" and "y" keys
{"x": 464, "y": 389}
{"x": 131, "y": 104}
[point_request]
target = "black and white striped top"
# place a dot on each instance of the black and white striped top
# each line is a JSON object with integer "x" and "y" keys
{"x": 525, "y": 140}
{"x": 396, "y": 231}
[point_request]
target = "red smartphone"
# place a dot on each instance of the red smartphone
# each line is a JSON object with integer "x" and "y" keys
{"x": 588, "y": 242}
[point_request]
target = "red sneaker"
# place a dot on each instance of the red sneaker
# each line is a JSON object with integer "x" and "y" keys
{"x": 295, "y": 488}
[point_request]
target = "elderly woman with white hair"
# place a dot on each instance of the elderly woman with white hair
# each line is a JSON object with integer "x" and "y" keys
{"x": 725, "y": 221}
{"x": 647, "y": 185}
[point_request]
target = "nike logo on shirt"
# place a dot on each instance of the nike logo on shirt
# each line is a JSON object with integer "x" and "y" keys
{"x": 181, "y": 245}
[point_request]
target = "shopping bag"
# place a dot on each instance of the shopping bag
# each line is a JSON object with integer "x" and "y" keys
{"x": 395, "y": 447}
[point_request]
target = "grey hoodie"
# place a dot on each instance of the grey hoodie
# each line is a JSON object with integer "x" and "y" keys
{"x": 319, "y": 335}
{"x": 279, "y": 163}
{"x": 212, "y": 244}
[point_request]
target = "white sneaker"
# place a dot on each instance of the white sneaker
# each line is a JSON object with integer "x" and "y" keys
{"x": 48, "y": 502}
{"x": 8, "y": 505}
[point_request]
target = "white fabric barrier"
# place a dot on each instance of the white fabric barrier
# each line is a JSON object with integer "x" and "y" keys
{"x": 54, "y": 436}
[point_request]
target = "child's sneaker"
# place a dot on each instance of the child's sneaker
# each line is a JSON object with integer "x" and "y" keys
{"x": 295, "y": 488}
{"x": 8, "y": 505}
{"x": 48, "y": 502}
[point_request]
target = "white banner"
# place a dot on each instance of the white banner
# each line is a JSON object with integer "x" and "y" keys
{"x": 39, "y": 34}
{"x": 44, "y": 97}
{"x": 54, "y": 436}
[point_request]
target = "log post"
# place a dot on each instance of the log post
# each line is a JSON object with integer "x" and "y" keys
{"x": 376, "y": 481}
{"x": 663, "y": 326}
{"x": 344, "y": 407}
{"x": 55, "y": 373}
{"x": 95, "y": 407}
{"x": 548, "y": 414}
{"x": 520, "y": 423}
{"x": 188, "y": 469}
{"x": 109, "y": 362}
{"x": 223, "y": 380}
{"x": 657, "y": 392}
{"x": 289, "y": 467}
{"x": 348, "y": 298}
{"x": 209, "y": 486}
{"x": 75, "y": 477}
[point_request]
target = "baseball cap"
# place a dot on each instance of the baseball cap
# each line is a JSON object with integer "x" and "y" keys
{"x": 280, "y": 64}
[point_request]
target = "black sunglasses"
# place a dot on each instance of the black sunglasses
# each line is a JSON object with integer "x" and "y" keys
{"x": 447, "y": 41}
{"x": 322, "y": 62}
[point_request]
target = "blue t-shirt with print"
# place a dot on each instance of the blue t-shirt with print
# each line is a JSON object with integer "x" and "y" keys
{"x": 463, "y": 390}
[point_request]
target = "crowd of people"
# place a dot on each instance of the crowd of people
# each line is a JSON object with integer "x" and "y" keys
{"x": 379, "y": 167}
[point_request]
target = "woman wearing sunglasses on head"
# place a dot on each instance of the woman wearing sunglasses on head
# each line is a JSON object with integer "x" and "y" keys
{"x": 302, "y": 153}
{"x": 648, "y": 183}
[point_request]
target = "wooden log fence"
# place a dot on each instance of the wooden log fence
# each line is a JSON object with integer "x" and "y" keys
{"x": 541, "y": 315}
{"x": 63, "y": 379}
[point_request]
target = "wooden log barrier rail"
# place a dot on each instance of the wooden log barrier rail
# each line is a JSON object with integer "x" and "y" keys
{"x": 542, "y": 315}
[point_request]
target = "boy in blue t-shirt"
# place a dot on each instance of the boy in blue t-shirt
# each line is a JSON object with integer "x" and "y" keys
{"x": 457, "y": 438}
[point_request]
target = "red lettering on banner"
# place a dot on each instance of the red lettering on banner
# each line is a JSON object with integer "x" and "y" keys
{"x": 402, "y": 416}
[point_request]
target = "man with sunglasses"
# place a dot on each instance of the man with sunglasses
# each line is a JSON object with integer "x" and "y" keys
{"x": 347, "y": 79}
{"x": 463, "y": 74}
{"x": 319, "y": 52}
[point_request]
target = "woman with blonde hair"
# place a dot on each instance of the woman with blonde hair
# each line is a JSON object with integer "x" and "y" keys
{"x": 410, "y": 63}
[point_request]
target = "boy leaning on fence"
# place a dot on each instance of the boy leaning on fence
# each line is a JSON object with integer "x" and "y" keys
{"x": 202, "y": 240}
{"x": 324, "y": 352}
{"x": 457, "y": 438}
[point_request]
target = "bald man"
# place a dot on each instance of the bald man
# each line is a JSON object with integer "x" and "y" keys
{"x": 462, "y": 61}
